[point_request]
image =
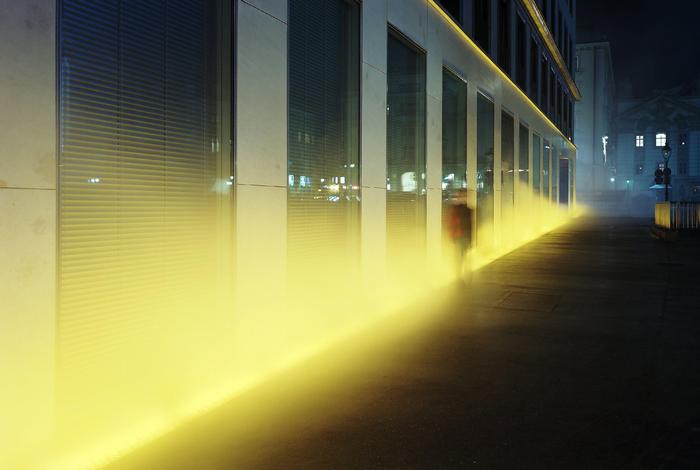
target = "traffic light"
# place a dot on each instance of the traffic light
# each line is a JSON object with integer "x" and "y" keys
{"x": 658, "y": 176}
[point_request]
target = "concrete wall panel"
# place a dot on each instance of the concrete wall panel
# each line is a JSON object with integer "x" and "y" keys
{"x": 261, "y": 108}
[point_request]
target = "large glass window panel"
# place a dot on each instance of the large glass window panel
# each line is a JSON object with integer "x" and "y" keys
{"x": 554, "y": 175}
{"x": 544, "y": 85}
{"x": 482, "y": 24}
{"x": 323, "y": 139}
{"x": 521, "y": 53}
{"x": 454, "y": 137}
{"x": 504, "y": 35}
{"x": 534, "y": 54}
{"x": 406, "y": 189}
{"x": 524, "y": 155}
{"x": 507, "y": 168}
{"x": 552, "y": 95}
{"x": 454, "y": 8}
{"x": 536, "y": 163}
{"x": 547, "y": 156}
{"x": 564, "y": 182}
{"x": 484, "y": 170}
{"x": 454, "y": 133}
{"x": 139, "y": 192}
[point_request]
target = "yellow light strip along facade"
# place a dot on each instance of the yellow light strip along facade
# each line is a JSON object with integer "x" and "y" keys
{"x": 546, "y": 34}
{"x": 488, "y": 60}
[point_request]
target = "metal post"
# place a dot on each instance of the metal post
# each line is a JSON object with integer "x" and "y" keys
{"x": 666, "y": 152}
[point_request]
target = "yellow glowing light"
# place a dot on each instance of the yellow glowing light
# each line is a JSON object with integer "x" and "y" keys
{"x": 486, "y": 59}
{"x": 182, "y": 351}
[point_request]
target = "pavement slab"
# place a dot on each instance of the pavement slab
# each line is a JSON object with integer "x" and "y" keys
{"x": 580, "y": 350}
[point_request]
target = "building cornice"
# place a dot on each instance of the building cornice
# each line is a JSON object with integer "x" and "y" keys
{"x": 546, "y": 35}
{"x": 487, "y": 60}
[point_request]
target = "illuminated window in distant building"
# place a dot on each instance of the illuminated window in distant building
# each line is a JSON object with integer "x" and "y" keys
{"x": 639, "y": 141}
{"x": 660, "y": 140}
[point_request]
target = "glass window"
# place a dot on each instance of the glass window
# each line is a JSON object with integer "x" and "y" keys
{"x": 564, "y": 172}
{"x": 534, "y": 54}
{"x": 554, "y": 174}
{"x": 482, "y": 24}
{"x": 660, "y": 139}
{"x": 552, "y": 95}
{"x": 546, "y": 160}
{"x": 323, "y": 140}
{"x": 504, "y": 35}
{"x": 536, "y": 163}
{"x": 524, "y": 154}
{"x": 454, "y": 133}
{"x": 484, "y": 170}
{"x": 521, "y": 53}
{"x": 639, "y": 141}
{"x": 406, "y": 188}
{"x": 454, "y": 137}
{"x": 507, "y": 168}
{"x": 454, "y": 8}
{"x": 142, "y": 136}
{"x": 544, "y": 87}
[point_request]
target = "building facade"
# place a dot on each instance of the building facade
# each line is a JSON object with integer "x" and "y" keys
{"x": 172, "y": 169}
{"x": 594, "y": 120}
{"x": 644, "y": 126}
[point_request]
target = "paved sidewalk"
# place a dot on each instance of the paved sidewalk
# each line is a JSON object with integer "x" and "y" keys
{"x": 580, "y": 350}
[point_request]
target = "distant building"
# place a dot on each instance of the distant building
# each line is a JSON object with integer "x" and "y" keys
{"x": 643, "y": 128}
{"x": 594, "y": 119}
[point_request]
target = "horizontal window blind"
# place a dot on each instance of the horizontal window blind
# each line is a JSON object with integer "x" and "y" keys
{"x": 323, "y": 140}
{"x": 137, "y": 172}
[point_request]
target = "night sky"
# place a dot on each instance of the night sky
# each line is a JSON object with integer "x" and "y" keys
{"x": 655, "y": 45}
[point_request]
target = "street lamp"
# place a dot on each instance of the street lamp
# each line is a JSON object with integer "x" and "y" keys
{"x": 666, "y": 152}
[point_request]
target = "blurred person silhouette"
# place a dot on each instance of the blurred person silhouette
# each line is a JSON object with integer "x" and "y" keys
{"x": 459, "y": 227}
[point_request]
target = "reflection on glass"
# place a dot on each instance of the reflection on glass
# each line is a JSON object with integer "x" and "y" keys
{"x": 323, "y": 139}
{"x": 545, "y": 169}
{"x": 406, "y": 188}
{"x": 554, "y": 172}
{"x": 484, "y": 170}
{"x": 454, "y": 136}
{"x": 507, "y": 168}
{"x": 564, "y": 173}
{"x": 524, "y": 154}
{"x": 536, "y": 163}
